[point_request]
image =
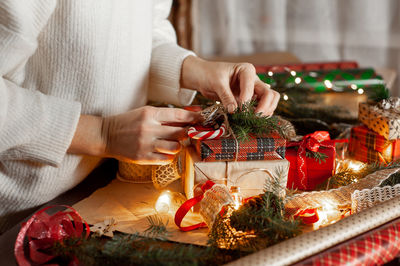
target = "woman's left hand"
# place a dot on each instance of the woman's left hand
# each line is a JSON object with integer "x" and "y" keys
{"x": 230, "y": 83}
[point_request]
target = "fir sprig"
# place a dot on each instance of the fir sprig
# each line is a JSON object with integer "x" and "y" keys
{"x": 318, "y": 156}
{"x": 257, "y": 224}
{"x": 134, "y": 250}
{"x": 157, "y": 227}
{"x": 245, "y": 122}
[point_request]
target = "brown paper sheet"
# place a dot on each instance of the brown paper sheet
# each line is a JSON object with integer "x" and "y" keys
{"x": 130, "y": 205}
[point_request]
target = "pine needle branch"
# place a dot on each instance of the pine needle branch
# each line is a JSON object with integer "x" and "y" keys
{"x": 246, "y": 122}
{"x": 318, "y": 156}
{"x": 157, "y": 228}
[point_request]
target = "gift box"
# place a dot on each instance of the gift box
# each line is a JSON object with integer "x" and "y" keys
{"x": 385, "y": 122}
{"x": 368, "y": 146}
{"x": 306, "y": 172}
{"x": 252, "y": 177}
{"x": 326, "y": 80}
{"x": 229, "y": 149}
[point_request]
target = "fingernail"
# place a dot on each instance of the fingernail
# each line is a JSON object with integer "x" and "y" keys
{"x": 231, "y": 108}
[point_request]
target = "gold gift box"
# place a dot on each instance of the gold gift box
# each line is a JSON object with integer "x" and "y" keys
{"x": 384, "y": 122}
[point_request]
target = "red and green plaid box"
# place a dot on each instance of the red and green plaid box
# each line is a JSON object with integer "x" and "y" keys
{"x": 367, "y": 146}
{"x": 227, "y": 149}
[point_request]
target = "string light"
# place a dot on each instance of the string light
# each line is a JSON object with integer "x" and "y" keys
{"x": 297, "y": 80}
{"x": 353, "y": 86}
{"x": 328, "y": 84}
{"x": 163, "y": 203}
{"x": 270, "y": 73}
{"x": 293, "y": 73}
{"x": 360, "y": 91}
{"x": 285, "y": 97}
{"x": 237, "y": 198}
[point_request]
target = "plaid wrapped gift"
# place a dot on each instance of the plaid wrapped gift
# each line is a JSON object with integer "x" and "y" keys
{"x": 271, "y": 147}
{"x": 368, "y": 146}
{"x": 384, "y": 122}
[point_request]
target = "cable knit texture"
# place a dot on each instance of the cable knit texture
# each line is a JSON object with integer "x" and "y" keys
{"x": 61, "y": 59}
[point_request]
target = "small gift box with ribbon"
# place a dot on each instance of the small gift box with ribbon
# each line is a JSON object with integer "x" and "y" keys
{"x": 215, "y": 139}
{"x": 251, "y": 176}
{"x": 383, "y": 118}
{"x": 312, "y": 160}
{"x": 368, "y": 146}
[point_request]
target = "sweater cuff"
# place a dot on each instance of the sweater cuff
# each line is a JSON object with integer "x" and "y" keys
{"x": 165, "y": 73}
{"x": 45, "y": 131}
{"x": 57, "y": 131}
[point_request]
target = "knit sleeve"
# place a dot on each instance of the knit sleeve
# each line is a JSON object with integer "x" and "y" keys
{"x": 33, "y": 126}
{"x": 166, "y": 60}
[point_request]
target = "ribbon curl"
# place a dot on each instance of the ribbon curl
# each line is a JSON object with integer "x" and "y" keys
{"x": 43, "y": 230}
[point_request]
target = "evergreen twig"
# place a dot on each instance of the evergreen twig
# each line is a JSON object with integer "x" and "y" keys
{"x": 157, "y": 228}
{"x": 318, "y": 156}
{"x": 246, "y": 122}
{"x": 257, "y": 224}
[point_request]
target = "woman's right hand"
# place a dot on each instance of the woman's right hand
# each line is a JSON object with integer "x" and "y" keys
{"x": 147, "y": 135}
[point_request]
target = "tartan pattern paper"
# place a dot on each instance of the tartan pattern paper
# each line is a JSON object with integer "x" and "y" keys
{"x": 384, "y": 122}
{"x": 367, "y": 146}
{"x": 267, "y": 148}
{"x": 374, "y": 248}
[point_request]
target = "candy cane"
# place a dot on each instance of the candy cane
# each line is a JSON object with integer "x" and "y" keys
{"x": 202, "y": 135}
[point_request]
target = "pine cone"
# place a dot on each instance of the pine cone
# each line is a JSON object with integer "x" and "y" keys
{"x": 254, "y": 203}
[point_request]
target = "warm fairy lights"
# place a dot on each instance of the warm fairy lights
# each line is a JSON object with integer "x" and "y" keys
{"x": 349, "y": 164}
{"x": 163, "y": 203}
{"x": 328, "y": 84}
{"x": 237, "y": 198}
{"x": 360, "y": 91}
{"x": 285, "y": 97}
{"x": 297, "y": 80}
{"x": 328, "y": 213}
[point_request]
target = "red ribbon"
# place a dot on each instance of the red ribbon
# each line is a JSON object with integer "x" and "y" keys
{"x": 310, "y": 142}
{"x": 187, "y": 205}
{"x": 308, "y": 216}
{"x": 43, "y": 230}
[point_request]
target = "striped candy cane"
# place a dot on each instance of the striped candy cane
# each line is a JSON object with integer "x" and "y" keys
{"x": 210, "y": 134}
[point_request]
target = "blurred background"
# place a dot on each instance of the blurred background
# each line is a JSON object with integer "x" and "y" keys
{"x": 290, "y": 31}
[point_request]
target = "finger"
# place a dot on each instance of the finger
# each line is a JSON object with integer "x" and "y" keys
{"x": 268, "y": 98}
{"x": 171, "y": 132}
{"x": 176, "y": 115}
{"x": 157, "y": 159}
{"x": 247, "y": 77}
{"x": 226, "y": 97}
{"x": 167, "y": 146}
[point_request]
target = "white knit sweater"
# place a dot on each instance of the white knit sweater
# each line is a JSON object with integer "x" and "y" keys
{"x": 60, "y": 59}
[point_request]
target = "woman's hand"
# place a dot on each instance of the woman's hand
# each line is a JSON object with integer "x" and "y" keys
{"x": 147, "y": 135}
{"x": 231, "y": 83}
